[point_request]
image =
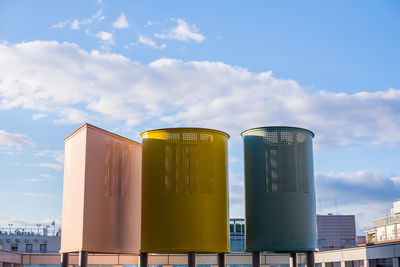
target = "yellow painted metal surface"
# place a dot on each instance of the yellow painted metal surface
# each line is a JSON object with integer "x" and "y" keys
{"x": 185, "y": 191}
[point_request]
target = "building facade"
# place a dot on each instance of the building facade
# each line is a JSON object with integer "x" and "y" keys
{"x": 336, "y": 231}
{"x": 30, "y": 240}
{"x": 382, "y": 255}
{"x": 386, "y": 229}
{"x": 237, "y": 235}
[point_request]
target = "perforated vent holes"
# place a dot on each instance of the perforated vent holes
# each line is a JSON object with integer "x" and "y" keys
{"x": 286, "y": 161}
{"x": 188, "y": 164}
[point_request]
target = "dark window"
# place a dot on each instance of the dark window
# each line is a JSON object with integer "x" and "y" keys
{"x": 28, "y": 247}
{"x": 14, "y": 247}
{"x": 43, "y": 247}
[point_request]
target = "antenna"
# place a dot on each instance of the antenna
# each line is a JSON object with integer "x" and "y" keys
{"x": 336, "y": 206}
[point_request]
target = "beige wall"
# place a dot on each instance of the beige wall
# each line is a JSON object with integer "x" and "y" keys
{"x": 117, "y": 260}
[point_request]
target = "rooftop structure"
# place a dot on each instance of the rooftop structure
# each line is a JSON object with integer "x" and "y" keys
{"x": 237, "y": 235}
{"x": 30, "y": 240}
{"x": 336, "y": 231}
{"x": 386, "y": 229}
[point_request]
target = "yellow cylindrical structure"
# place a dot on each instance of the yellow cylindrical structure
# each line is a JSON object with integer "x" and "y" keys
{"x": 185, "y": 191}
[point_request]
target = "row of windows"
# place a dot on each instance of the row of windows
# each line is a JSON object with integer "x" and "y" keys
{"x": 28, "y": 247}
{"x": 237, "y": 228}
{"x": 237, "y": 245}
{"x": 342, "y": 242}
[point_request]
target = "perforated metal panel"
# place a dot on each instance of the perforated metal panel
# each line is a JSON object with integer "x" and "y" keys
{"x": 189, "y": 163}
{"x": 184, "y": 184}
{"x": 280, "y": 198}
{"x": 285, "y": 167}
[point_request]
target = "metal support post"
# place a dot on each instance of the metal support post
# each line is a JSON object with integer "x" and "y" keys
{"x": 192, "y": 259}
{"x": 83, "y": 259}
{"x": 143, "y": 259}
{"x": 64, "y": 259}
{"x": 310, "y": 259}
{"x": 221, "y": 260}
{"x": 293, "y": 259}
{"x": 256, "y": 258}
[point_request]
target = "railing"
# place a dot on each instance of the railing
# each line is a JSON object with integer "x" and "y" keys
{"x": 44, "y": 231}
{"x": 387, "y": 220}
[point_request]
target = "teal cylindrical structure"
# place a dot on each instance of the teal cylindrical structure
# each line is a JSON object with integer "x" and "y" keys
{"x": 279, "y": 189}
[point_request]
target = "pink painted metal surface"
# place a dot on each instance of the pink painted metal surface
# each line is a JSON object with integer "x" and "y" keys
{"x": 102, "y": 192}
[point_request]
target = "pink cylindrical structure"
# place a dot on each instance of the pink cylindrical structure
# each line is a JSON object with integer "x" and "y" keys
{"x": 102, "y": 192}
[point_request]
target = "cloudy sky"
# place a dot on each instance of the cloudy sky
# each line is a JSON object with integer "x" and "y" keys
{"x": 331, "y": 67}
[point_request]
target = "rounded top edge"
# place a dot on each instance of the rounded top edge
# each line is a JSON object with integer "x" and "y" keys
{"x": 248, "y": 131}
{"x": 179, "y": 129}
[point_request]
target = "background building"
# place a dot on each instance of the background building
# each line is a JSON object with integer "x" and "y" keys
{"x": 336, "y": 231}
{"x": 48, "y": 241}
{"x": 30, "y": 240}
{"x": 237, "y": 235}
{"x": 386, "y": 229}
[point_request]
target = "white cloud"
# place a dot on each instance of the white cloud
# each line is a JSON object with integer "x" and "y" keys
{"x": 236, "y": 199}
{"x": 362, "y": 178}
{"x": 60, "y": 25}
{"x": 233, "y": 176}
{"x": 121, "y": 22}
{"x": 40, "y": 195}
{"x": 149, "y": 42}
{"x": 57, "y": 155}
{"x": 77, "y": 86}
{"x": 43, "y": 177}
{"x": 76, "y": 24}
{"x": 18, "y": 222}
{"x": 105, "y": 36}
{"x": 8, "y": 140}
{"x": 367, "y": 194}
{"x": 38, "y": 116}
{"x": 396, "y": 181}
{"x": 182, "y": 32}
{"x": 152, "y": 23}
{"x": 55, "y": 166}
{"x": 233, "y": 159}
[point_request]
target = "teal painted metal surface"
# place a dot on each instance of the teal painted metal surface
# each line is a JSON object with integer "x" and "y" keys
{"x": 279, "y": 189}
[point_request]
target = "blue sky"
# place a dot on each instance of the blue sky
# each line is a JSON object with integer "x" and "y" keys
{"x": 129, "y": 66}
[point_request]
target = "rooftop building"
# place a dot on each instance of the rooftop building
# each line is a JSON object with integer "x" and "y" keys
{"x": 30, "y": 240}
{"x": 237, "y": 235}
{"x": 336, "y": 231}
{"x": 386, "y": 229}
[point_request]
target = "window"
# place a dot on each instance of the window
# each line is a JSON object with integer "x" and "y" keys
{"x": 333, "y": 264}
{"x": 14, "y": 247}
{"x": 1, "y": 246}
{"x": 358, "y": 263}
{"x": 28, "y": 248}
{"x": 43, "y": 248}
{"x": 386, "y": 262}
